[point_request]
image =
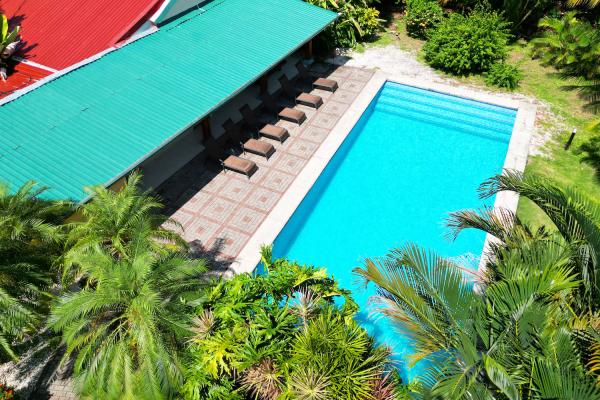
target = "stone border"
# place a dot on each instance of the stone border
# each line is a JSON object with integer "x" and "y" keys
{"x": 516, "y": 159}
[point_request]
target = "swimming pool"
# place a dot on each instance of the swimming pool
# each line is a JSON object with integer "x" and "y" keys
{"x": 414, "y": 156}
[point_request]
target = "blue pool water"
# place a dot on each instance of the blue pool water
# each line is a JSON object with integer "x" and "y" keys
{"x": 413, "y": 157}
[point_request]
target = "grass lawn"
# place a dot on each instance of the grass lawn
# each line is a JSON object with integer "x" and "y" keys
{"x": 563, "y": 166}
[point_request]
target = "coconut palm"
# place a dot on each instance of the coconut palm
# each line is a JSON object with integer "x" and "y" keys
{"x": 29, "y": 239}
{"x": 124, "y": 330}
{"x": 112, "y": 219}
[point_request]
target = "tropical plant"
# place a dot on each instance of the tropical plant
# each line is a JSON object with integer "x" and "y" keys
{"x": 125, "y": 331}
{"x": 526, "y": 325}
{"x": 569, "y": 44}
{"x": 112, "y": 219}
{"x": 29, "y": 241}
{"x": 8, "y": 44}
{"x": 422, "y": 15}
{"x": 357, "y": 20}
{"x": 504, "y": 76}
{"x": 468, "y": 44}
{"x": 575, "y": 216}
{"x": 502, "y": 341}
{"x": 586, "y": 3}
{"x": 280, "y": 335}
{"x": 590, "y": 152}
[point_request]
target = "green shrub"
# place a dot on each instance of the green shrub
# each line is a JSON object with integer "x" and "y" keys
{"x": 422, "y": 15}
{"x": 466, "y": 44}
{"x": 570, "y": 45}
{"x": 269, "y": 336}
{"x": 357, "y": 21}
{"x": 503, "y": 75}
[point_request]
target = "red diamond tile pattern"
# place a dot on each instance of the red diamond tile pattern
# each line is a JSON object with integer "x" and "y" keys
{"x": 221, "y": 211}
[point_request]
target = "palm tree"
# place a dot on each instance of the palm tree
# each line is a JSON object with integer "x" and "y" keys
{"x": 506, "y": 340}
{"x": 521, "y": 331}
{"x": 575, "y": 216}
{"x": 112, "y": 219}
{"x": 29, "y": 239}
{"x": 125, "y": 329}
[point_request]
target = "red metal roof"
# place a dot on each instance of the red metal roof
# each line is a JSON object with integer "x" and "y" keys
{"x": 60, "y": 33}
{"x": 23, "y": 75}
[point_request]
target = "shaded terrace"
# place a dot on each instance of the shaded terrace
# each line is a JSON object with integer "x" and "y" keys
{"x": 219, "y": 211}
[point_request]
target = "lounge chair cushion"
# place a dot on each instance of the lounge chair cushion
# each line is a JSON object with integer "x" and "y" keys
{"x": 274, "y": 132}
{"x": 326, "y": 84}
{"x": 259, "y": 147}
{"x": 309, "y": 100}
{"x": 240, "y": 165}
{"x": 293, "y": 115}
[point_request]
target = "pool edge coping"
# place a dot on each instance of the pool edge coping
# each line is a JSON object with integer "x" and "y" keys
{"x": 516, "y": 159}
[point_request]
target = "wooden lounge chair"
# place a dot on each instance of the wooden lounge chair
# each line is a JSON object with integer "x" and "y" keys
{"x": 274, "y": 132}
{"x": 229, "y": 162}
{"x": 307, "y": 99}
{"x": 292, "y": 115}
{"x": 234, "y": 131}
{"x": 326, "y": 84}
{"x": 310, "y": 100}
{"x": 259, "y": 147}
{"x": 240, "y": 165}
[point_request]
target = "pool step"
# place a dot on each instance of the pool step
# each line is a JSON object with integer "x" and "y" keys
{"x": 392, "y": 87}
{"x": 447, "y": 105}
{"x": 455, "y": 116}
{"x": 443, "y": 122}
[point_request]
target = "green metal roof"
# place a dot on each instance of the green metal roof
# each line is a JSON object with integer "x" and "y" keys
{"x": 96, "y": 123}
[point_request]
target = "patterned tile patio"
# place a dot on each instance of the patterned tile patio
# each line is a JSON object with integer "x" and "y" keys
{"x": 219, "y": 211}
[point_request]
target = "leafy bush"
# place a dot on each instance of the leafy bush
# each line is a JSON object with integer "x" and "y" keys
{"x": 503, "y": 75}
{"x": 465, "y": 44}
{"x": 573, "y": 47}
{"x": 279, "y": 335}
{"x": 357, "y": 21}
{"x": 422, "y": 15}
{"x": 570, "y": 45}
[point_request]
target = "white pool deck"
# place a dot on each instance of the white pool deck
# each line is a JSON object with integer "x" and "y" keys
{"x": 516, "y": 159}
